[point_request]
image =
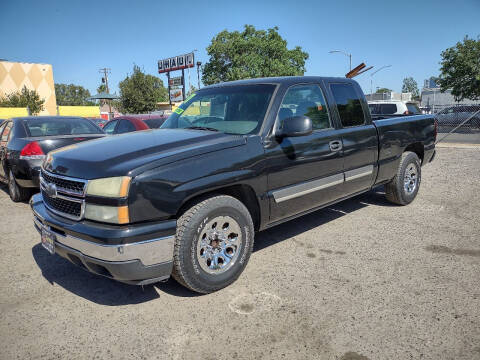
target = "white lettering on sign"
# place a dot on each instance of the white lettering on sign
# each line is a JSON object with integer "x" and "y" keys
{"x": 176, "y": 63}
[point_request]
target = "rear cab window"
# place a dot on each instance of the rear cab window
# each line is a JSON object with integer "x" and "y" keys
{"x": 348, "y": 104}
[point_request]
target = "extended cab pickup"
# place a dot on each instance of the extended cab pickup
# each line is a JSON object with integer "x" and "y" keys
{"x": 235, "y": 158}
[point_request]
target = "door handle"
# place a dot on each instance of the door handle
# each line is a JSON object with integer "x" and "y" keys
{"x": 335, "y": 145}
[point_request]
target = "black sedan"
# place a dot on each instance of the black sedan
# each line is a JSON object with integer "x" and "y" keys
{"x": 24, "y": 143}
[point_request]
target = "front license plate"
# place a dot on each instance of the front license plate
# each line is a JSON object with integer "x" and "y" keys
{"x": 48, "y": 240}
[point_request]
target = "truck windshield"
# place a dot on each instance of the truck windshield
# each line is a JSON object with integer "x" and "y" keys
{"x": 230, "y": 109}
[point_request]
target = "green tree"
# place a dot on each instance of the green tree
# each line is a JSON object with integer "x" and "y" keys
{"x": 140, "y": 92}
{"x": 411, "y": 86}
{"x": 24, "y": 98}
{"x": 72, "y": 95}
{"x": 383, "y": 90}
{"x": 251, "y": 54}
{"x": 460, "y": 70}
{"x": 191, "y": 90}
{"x": 101, "y": 88}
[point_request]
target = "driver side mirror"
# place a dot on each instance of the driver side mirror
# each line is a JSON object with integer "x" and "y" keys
{"x": 296, "y": 126}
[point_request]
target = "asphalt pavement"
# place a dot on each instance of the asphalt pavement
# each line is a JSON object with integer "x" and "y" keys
{"x": 360, "y": 280}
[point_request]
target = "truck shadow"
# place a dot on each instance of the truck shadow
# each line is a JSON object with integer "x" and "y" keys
{"x": 97, "y": 289}
{"x": 317, "y": 218}
{"x": 104, "y": 291}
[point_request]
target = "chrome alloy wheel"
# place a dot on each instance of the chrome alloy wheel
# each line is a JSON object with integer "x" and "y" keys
{"x": 411, "y": 179}
{"x": 219, "y": 244}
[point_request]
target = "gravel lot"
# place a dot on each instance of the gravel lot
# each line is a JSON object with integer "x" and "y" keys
{"x": 360, "y": 280}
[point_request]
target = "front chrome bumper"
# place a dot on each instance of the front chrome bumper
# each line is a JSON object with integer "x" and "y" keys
{"x": 137, "y": 254}
{"x": 149, "y": 252}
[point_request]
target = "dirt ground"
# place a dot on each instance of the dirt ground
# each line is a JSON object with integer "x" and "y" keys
{"x": 359, "y": 280}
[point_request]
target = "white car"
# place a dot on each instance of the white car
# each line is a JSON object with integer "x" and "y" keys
{"x": 393, "y": 107}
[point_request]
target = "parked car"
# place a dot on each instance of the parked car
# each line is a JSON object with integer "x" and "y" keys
{"x": 130, "y": 123}
{"x": 235, "y": 158}
{"x": 100, "y": 122}
{"x": 393, "y": 107}
{"x": 453, "y": 116}
{"x": 25, "y": 141}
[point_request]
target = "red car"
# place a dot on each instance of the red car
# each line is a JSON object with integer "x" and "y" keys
{"x": 129, "y": 123}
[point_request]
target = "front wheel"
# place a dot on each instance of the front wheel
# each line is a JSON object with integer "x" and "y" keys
{"x": 213, "y": 243}
{"x": 403, "y": 188}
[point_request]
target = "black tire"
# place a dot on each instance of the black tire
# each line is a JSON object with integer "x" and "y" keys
{"x": 395, "y": 190}
{"x": 187, "y": 269}
{"x": 16, "y": 192}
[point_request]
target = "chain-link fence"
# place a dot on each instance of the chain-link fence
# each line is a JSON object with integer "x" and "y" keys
{"x": 458, "y": 123}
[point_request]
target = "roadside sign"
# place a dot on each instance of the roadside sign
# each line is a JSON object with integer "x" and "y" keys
{"x": 176, "y": 81}
{"x": 176, "y": 63}
{"x": 176, "y": 95}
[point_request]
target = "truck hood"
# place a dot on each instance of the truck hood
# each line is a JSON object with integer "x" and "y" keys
{"x": 133, "y": 153}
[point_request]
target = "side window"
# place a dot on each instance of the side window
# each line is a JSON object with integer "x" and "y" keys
{"x": 125, "y": 126}
{"x": 348, "y": 105}
{"x": 306, "y": 100}
{"x": 109, "y": 128}
{"x": 6, "y": 131}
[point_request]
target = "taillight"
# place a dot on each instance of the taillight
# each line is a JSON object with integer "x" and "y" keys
{"x": 32, "y": 151}
{"x": 436, "y": 129}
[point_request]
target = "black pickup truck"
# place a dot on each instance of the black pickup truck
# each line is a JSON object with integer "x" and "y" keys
{"x": 233, "y": 159}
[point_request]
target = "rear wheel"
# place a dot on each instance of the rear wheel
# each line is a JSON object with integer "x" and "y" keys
{"x": 403, "y": 188}
{"x": 16, "y": 192}
{"x": 213, "y": 243}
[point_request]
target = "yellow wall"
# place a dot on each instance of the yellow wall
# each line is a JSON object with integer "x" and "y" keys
{"x": 84, "y": 111}
{"x": 39, "y": 77}
{"x": 7, "y": 113}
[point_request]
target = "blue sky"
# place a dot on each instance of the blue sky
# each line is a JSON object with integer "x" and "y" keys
{"x": 79, "y": 37}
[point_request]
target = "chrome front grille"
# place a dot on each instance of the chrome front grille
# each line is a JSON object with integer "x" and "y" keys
{"x": 63, "y": 195}
{"x": 65, "y": 184}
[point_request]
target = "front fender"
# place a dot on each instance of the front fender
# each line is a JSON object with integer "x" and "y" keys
{"x": 159, "y": 193}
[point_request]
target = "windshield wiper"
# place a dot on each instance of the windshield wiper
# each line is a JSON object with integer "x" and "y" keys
{"x": 201, "y": 128}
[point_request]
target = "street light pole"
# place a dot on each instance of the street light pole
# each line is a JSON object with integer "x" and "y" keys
{"x": 371, "y": 79}
{"x": 344, "y": 53}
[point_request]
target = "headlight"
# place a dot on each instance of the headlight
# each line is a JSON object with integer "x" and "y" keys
{"x": 113, "y": 187}
{"x": 110, "y": 214}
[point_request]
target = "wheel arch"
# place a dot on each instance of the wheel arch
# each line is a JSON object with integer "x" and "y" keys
{"x": 417, "y": 148}
{"x": 242, "y": 192}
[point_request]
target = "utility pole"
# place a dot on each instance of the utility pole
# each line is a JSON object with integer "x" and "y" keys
{"x": 199, "y": 63}
{"x": 105, "y": 72}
